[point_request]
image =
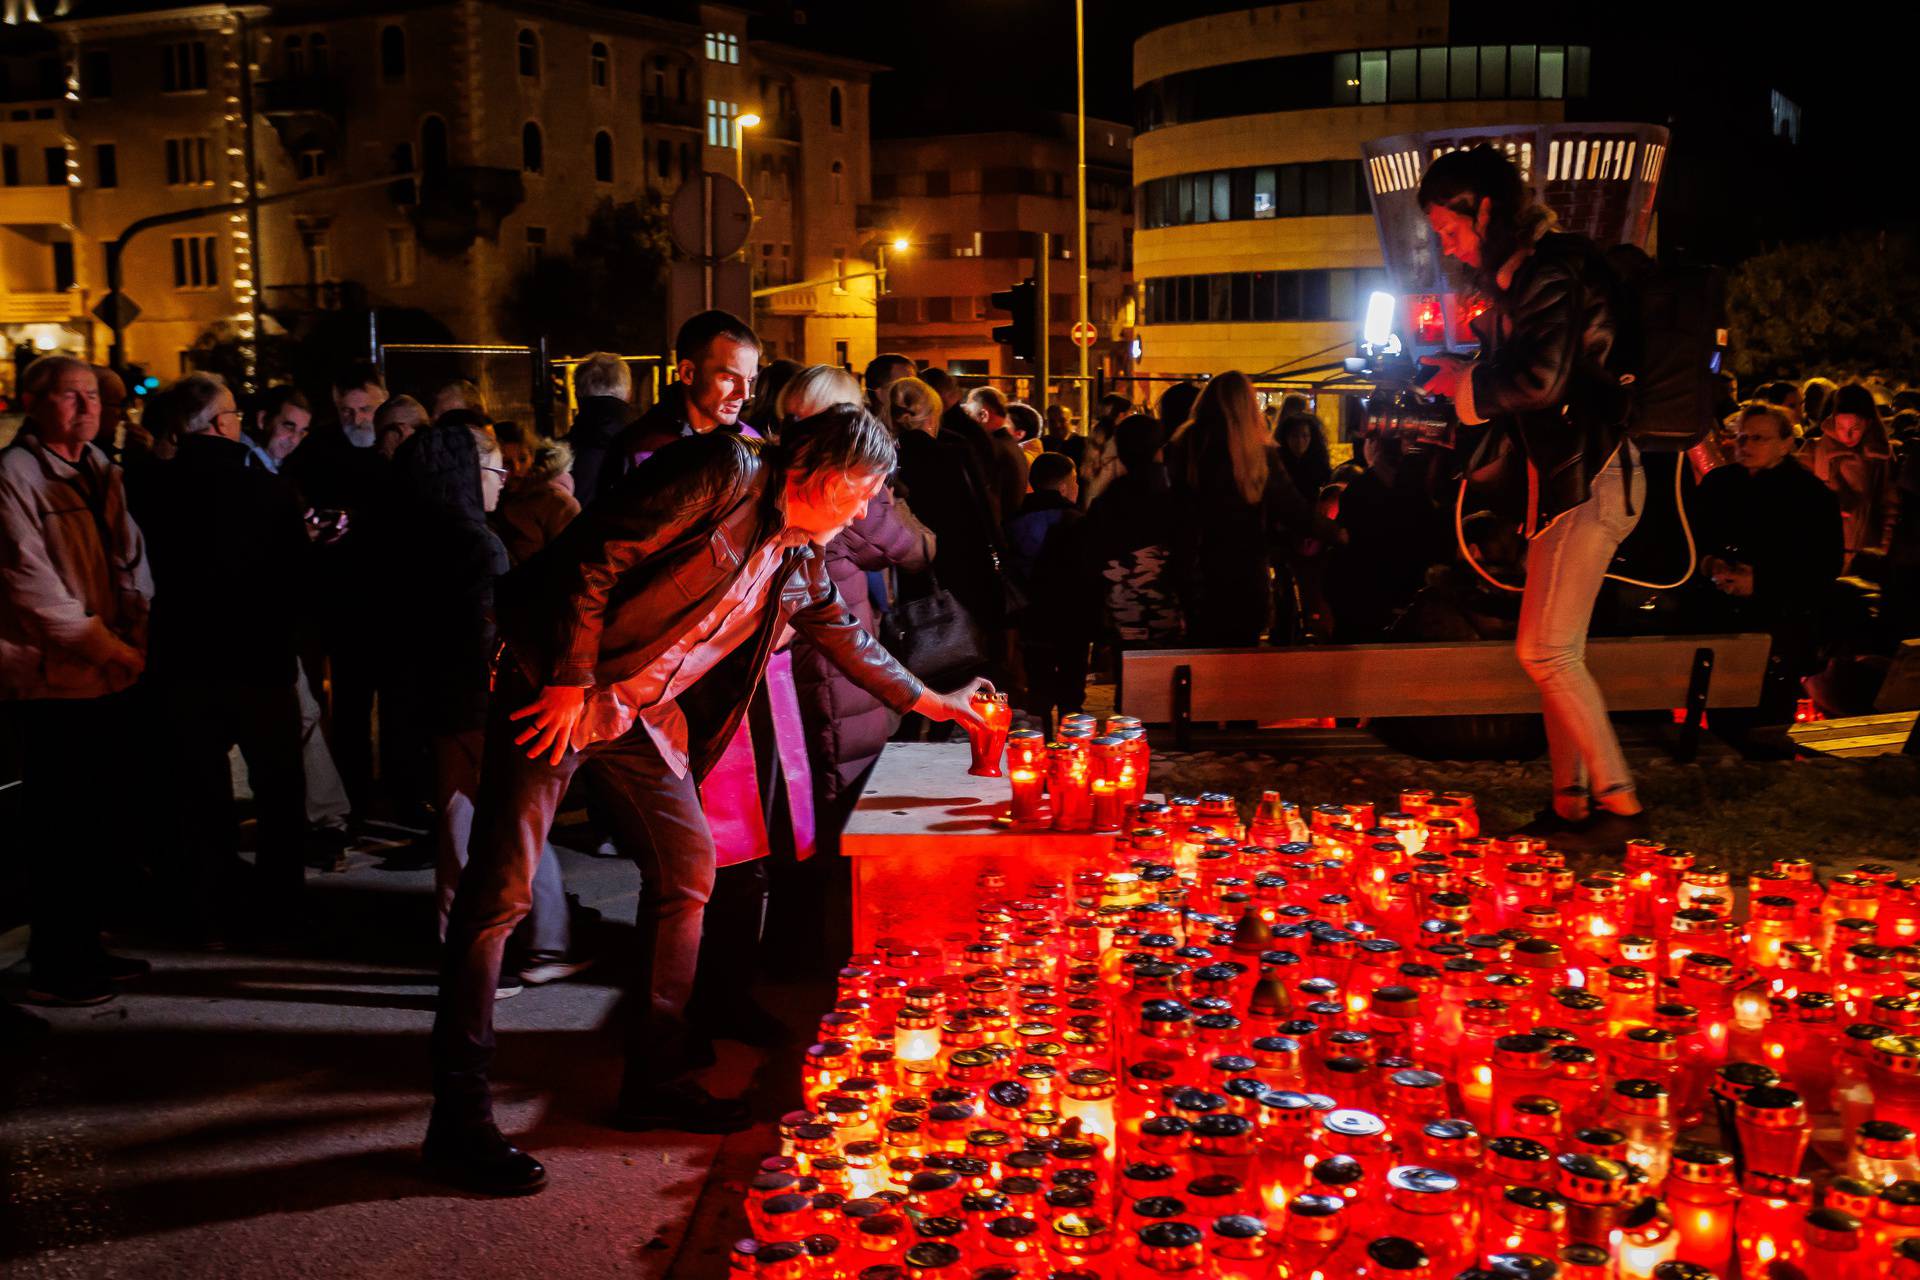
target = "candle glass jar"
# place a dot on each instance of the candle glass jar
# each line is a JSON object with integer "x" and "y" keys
{"x": 990, "y": 740}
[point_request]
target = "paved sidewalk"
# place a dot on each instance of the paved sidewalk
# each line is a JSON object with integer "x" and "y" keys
{"x": 239, "y": 1115}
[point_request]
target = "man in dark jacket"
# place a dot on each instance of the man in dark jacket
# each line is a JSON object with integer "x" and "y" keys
{"x": 340, "y": 473}
{"x": 603, "y": 392}
{"x": 1046, "y": 549}
{"x": 719, "y": 358}
{"x": 229, "y": 552}
{"x": 634, "y": 642}
{"x": 1771, "y": 546}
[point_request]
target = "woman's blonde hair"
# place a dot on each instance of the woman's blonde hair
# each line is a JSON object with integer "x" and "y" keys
{"x": 912, "y": 405}
{"x": 816, "y": 388}
{"x": 1227, "y": 424}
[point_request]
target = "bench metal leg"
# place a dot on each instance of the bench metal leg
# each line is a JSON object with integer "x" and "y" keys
{"x": 1697, "y": 684}
{"x": 1183, "y": 707}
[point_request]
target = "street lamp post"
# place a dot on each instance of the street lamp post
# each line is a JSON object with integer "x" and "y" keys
{"x": 740, "y": 126}
{"x": 1080, "y": 58}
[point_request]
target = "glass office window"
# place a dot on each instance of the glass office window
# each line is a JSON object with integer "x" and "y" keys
{"x": 1290, "y": 191}
{"x": 1222, "y": 197}
{"x": 1520, "y": 69}
{"x": 1314, "y": 198}
{"x": 1553, "y": 72}
{"x": 1463, "y": 72}
{"x": 1493, "y": 71}
{"x": 1313, "y": 295}
{"x": 1577, "y": 60}
{"x": 1263, "y": 193}
{"x": 1346, "y": 79}
{"x": 1433, "y": 74}
{"x": 1403, "y": 75}
{"x": 1373, "y": 75}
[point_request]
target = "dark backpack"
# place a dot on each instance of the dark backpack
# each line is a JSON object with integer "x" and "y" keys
{"x": 1670, "y": 329}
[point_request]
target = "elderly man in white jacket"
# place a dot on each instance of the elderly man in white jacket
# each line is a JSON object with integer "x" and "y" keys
{"x": 74, "y": 593}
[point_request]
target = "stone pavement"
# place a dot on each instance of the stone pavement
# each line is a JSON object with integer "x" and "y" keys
{"x": 242, "y": 1115}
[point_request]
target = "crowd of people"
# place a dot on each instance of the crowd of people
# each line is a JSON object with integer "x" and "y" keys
{"x": 330, "y": 589}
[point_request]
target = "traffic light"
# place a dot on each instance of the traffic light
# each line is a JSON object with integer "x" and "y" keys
{"x": 1022, "y": 302}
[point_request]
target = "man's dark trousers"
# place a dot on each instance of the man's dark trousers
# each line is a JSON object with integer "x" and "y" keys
{"x": 72, "y": 824}
{"x": 209, "y": 718}
{"x": 655, "y": 819}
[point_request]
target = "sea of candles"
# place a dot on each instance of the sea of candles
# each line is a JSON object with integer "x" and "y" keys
{"x": 1344, "y": 1042}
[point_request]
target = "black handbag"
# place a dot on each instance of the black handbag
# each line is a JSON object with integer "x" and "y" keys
{"x": 934, "y": 636}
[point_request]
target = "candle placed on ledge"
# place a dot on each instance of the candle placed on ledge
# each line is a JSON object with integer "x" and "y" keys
{"x": 987, "y": 747}
{"x": 1027, "y": 773}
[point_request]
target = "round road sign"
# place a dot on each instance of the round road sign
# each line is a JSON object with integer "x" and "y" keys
{"x": 1084, "y": 333}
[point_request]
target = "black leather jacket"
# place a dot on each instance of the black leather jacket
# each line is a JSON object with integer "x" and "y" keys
{"x": 652, "y": 558}
{"x": 1542, "y": 376}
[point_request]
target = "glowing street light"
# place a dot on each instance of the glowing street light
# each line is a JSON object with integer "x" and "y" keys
{"x": 742, "y": 123}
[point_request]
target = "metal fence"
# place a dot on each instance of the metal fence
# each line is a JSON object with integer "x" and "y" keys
{"x": 517, "y": 383}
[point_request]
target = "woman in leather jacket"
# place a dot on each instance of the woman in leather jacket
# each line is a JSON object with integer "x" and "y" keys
{"x": 1541, "y": 379}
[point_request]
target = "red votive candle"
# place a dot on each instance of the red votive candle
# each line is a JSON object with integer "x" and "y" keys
{"x": 987, "y": 745}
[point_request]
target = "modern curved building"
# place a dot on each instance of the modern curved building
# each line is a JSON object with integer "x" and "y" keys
{"x": 1255, "y": 246}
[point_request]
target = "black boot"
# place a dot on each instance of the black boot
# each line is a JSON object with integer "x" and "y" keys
{"x": 479, "y": 1158}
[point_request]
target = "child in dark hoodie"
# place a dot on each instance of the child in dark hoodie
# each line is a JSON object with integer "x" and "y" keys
{"x": 1046, "y": 551}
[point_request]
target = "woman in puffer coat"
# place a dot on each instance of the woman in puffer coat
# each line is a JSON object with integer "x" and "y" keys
{"x": 846, "y": 727}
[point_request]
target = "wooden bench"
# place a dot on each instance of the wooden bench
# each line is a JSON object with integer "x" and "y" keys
{"x": 1474, "y": 677}
{"x": 1894, "y": 726}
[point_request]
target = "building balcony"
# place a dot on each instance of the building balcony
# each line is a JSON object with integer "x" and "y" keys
{"x": 306, "y": 113}
{"x": 669, "y": 112}
{"x": 876, "y": 215}
{"x": 795, "y": 302}
{"x": 56, "y": 306}
{"x": 36, "y": 206}
{"x": 781, "y": 128}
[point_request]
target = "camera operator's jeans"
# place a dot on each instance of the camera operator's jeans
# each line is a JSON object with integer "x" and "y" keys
{"x": 1565, "y": 566}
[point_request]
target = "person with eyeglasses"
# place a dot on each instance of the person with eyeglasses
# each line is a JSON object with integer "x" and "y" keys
{"x": 1771, "y": 548}
{"x": 74, "y": 594}
{"x": 230, "y": 552}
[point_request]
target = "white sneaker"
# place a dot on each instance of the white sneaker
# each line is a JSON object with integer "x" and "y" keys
{"x": 507, "y": 990}
{"x": 545, "y": 971}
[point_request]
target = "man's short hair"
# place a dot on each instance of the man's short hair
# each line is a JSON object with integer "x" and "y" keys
{"x": 358, "y": 376}
{"x": 938, "y": 378}
{"x": 467, "y": 390}
{"x": 1024, "y": 419}
{"x": 197, "y": 392}
{"x": 991, "y": 397}
{"x": 44, "y": 372}
{"x": 1050, "y": 471}
{"x": 393, "y": 408}
{"x": 1114, "y": 405}
{"x": 844, "y": 438}
{"x": 700, "y": 333}
{"x": 880, "y": 369}
{"x": 603, "y": 374}
{"x": 270, "y": 402}
{"x": 1771, "y": 412}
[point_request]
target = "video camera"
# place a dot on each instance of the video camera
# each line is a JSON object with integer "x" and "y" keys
{"x": 1400, "y": 407}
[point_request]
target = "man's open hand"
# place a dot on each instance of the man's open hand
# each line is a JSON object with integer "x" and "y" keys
{"x": 554, "y": 713}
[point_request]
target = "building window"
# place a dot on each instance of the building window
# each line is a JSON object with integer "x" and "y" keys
{"x": 839, "y": 270}
{"x": 720, "y": 122}
{"x": 838, "y": 176}
{"x": 723, "y": 46}
{"x": 183, "y": 67}
{"x": 536, "y": 246}
{"x": 834, "y": 109}
{"x": 1259, "y": 296}
{"x": 53, "y": 163}
{"x": 393, "y": 53}
{"x": 312, "y": 164}
{"x": 106, "y": 165}
{"x": 663, "y": 159}
{"x": 96, "y": 74}
{"x": 194, "y": 264}
{"x": 1315, "y": 189}
{"x": 599, "y": 68}
{"x": 187, "y": 163}
{"x": 532, "y": 149}
{"x": 10, "y": 165}
{"x": 529, "y": 55}
{"x": 401, "y": 262}
{"x": 293, "y": 57}
{"x": 317, "y": 54}
{"x": 1786, "y": 116}
{"x": 686, "y": 161}
{"x": 603, "y": 156}
{"x": 63, "y": 277}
